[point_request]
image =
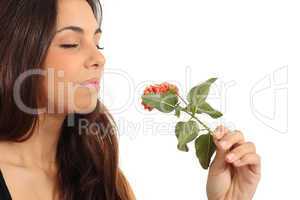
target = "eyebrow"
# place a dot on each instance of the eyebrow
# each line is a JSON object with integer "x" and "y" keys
{"x": 77, "y": 29}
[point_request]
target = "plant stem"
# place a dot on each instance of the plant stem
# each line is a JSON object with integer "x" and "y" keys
{"x": 204, "y": 129}
{"x": 208, "y": 129}
{"x": 182, "y": 99}
{"x": 192, "y": 116}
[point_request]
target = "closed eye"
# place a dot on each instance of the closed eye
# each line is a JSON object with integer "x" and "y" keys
{"x": 66, "y": 46}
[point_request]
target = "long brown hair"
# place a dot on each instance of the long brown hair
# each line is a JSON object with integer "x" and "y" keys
{"x": 88, "y": 165}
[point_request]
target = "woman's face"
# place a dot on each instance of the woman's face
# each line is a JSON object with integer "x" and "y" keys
{"x": 73, "y": 57}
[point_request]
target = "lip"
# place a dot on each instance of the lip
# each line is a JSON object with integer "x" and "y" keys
{"x": 93, "y": 82}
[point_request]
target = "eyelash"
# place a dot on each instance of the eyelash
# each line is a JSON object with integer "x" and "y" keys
{"x": 67, "y": 46}
{"x": 100, "y": 48}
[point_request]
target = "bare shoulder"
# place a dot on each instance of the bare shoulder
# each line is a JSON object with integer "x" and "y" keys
{"x": 12, "y": 173}
{"x": 7, "y": 159}
{"x": 5, "y": 153}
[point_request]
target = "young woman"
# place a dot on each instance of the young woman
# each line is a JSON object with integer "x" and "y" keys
{"x": 50, "y": 65}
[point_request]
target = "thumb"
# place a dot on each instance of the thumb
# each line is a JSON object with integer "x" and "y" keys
{"x": 219, "y": 164}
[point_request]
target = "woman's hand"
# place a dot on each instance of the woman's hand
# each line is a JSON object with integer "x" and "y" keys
{"x": 235, "y": 171}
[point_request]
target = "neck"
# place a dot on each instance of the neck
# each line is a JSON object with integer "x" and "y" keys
{"x": 40, "y": 149}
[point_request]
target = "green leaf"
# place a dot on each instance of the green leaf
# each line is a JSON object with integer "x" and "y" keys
{"x": 185, "y": 133}
{"x": 204, "y": 107}
{"x": 183, "y": 148}
{"x": 191, "y": 108}
{"x": 163, "y": 102}
{"x": 199, "y": 92}
{"x": 205, "y": 148}
{"x": 177, "y": 111}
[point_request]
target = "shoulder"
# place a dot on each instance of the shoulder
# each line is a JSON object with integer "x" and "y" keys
{"x": 4, "y": 151}
{"x": 7, "y": 156}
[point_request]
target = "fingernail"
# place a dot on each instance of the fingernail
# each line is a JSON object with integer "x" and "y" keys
{"x": 217, "y": 134}
{"x": 223, "y": 144}
{"x": 230, "y": 157}
{"x": 220, "y": 128}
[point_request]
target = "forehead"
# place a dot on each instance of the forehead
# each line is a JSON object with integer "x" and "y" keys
{"x": 76, "y": 13}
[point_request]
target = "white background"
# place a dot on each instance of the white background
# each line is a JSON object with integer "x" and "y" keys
{"x": 253, "y": 48}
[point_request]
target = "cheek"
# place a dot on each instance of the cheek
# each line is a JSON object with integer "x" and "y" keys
{"x": 64, "y": 95}
{"x": 66, "y": 64}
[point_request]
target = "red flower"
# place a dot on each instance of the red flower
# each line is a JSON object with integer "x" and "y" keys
{"x": 159, "y": 89}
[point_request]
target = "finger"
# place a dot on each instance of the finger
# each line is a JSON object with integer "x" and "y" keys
{"x": 251, "y": 159}
{"x": 220, "y": 131}
{"x": 229, "y": 140}
{"x": 238, "y": 152}
{"x": 219, "y": 164}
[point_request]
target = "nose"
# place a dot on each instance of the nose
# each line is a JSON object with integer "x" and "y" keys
{"x": 96, "y": 59}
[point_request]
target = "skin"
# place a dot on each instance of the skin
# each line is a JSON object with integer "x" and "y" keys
{"x": 236, "y": 169}
{"x": 29, "y": 168}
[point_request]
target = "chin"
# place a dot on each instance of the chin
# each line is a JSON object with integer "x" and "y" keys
{"x": 85, "y": 101}
{"x": 85, "y": 107}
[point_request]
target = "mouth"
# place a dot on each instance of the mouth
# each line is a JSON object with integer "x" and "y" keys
{"x": 91, "y": 83}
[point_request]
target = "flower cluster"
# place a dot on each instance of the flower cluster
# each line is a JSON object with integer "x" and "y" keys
{"x": 159, "y": 89}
